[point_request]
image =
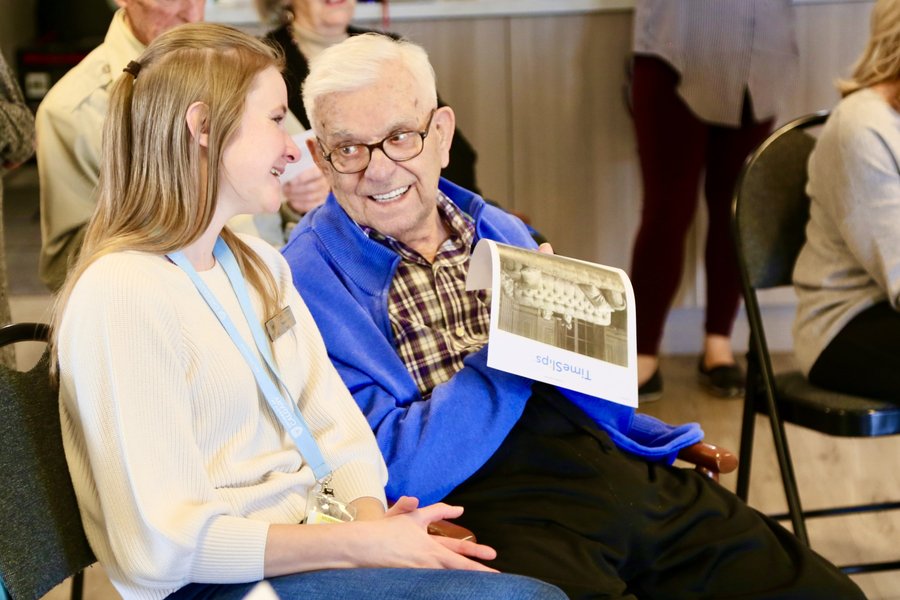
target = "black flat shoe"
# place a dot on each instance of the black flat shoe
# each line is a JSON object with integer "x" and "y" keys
{"x": 725, "y": 381}
{"x": 651, "y": 390}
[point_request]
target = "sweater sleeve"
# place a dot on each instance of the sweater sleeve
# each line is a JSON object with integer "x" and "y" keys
{"x": 423, "y": 438}
{"x": 419, "y": 437}
{"x": 341, "y": 431}
{"x": 863, "y": 194}
{"x": 638, "y": 433}
{"x": 866, "y": 201}
{"x": 344, "y": 436}
{"x": 129, "y": 433}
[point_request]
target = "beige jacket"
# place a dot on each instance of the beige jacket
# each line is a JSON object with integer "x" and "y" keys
{"x": 69, "y": 127}
{"x": 69, "y": 133}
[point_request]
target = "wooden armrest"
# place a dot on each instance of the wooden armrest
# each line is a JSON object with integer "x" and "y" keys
{"x": 709, "y": 459}
{"x": 451, "y": 530}
{"x": 522, "y": 216}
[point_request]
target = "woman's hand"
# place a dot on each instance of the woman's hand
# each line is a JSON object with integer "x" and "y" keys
{"x": 401, "y": 540}
{"x": 404, "y": 504}
{"x": 368, "y": 509}
{"x": 306, "y": 191}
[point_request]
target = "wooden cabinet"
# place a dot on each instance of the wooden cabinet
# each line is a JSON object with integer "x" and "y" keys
{"x": 541, "y": 98}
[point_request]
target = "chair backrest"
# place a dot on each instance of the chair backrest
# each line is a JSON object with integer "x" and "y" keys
{"x": 771, "y": 207}
{"x": 42, "y": 541}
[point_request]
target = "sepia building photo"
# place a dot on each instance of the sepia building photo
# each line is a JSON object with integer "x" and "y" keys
{"x": 576, "y": 307}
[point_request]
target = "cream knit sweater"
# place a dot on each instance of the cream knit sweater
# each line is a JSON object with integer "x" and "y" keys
{"x": 177, "y": 461}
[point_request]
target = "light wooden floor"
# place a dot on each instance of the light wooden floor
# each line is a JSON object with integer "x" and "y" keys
{"x": 831, "y": 471}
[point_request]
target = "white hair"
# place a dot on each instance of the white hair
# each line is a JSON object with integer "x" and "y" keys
{"x": 360, "y": 61}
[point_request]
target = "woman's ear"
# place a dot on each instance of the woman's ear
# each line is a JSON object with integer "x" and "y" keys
{"x": 444, "y": 125}
{"x": 197, "y": 121}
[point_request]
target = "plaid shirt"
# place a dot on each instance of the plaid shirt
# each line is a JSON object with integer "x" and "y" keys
{"x": 436, "y": 322}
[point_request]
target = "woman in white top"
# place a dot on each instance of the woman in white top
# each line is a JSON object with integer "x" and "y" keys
{"x": 847, "y": 276}
{"x": 201, "y": 418}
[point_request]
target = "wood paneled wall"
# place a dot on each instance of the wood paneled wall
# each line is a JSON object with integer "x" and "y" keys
{"x": 541, "y": 99}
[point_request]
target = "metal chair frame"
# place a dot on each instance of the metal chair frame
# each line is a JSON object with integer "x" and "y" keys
{"x": 790, "y": 397}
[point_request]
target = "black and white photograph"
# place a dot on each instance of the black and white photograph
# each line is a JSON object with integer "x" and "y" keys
{"x": 567, "y": 304}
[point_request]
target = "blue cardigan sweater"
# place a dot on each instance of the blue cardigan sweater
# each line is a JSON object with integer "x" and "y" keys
{"x": 432, "y": 444}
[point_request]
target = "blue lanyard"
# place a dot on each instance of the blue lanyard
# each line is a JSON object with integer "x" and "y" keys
{"x": 287, "y": 411}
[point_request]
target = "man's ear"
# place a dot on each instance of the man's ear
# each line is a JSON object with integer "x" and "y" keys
{"x": 312, "y": 146}
{"x": 444, "y": 126}
{"x": 197, "y": 118}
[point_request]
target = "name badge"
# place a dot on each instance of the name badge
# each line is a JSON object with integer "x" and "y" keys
{"x": 277, "y": 325}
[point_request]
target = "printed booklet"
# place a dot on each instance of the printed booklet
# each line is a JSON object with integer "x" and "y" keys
{"x": 559, "y": 320}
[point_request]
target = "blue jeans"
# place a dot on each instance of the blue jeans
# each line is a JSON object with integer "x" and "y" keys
{"x": 387, "y": 584}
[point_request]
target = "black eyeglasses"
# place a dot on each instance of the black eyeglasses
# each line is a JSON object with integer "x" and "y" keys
{"x": 399, "y": 147}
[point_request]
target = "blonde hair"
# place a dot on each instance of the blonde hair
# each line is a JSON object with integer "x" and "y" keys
{"x": 150, "y": 186}
{"x": 880, "y": 61}
{"x": 360, "y": 61}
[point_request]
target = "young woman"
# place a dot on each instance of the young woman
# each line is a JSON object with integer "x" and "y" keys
{"x": 201, "y": 417}
{"x": 847, "y": 277}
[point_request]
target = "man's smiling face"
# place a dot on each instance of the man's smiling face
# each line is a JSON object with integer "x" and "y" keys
{"x": 398, "y": 199}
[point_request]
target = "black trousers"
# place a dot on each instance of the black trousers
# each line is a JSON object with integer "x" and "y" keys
{"x": 561, "y": 503}
{"x": 864, "y": 358}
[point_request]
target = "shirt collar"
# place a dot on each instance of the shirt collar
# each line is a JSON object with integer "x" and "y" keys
{"x": 459, "y": 224}
{"x": 121, "y": 44}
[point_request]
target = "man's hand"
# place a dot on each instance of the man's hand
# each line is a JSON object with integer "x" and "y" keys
{"x": 306, "y": 191}
{"x": 546, "y": 248}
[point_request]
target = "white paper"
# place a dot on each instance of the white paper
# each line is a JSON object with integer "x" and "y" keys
{"x": 559, "y": 320}
{"x": 305, "y": 161}
{"x": 262, "y": 591}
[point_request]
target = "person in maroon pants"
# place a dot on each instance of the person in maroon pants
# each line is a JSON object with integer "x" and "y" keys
{"x": 703, "y": 91}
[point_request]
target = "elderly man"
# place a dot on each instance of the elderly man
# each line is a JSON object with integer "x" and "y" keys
{"x": 568, "y": 488}
{"x": 70, "y": 119}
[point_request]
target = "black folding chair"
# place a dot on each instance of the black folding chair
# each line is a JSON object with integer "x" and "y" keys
{"x": 770, "y": 213}
{"x": 42, "y": 541}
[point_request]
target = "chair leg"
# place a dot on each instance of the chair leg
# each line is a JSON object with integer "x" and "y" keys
{"x": 789, "y": 480}
{"x": 77, "y": 585}
{"x": 748, "y": 429}
{"x": 760, "y": 364}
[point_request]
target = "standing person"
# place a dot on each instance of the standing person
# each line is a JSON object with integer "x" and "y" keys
{"x": 70, "y": 120}
{"x": 569, "y": 488}
{"x": 16, "y": 146}
{"x": 305, "y": 28}
{"x": 847, "y": 274}
{"x": 706, "y": 78}
{"x": 194, "y": 452}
